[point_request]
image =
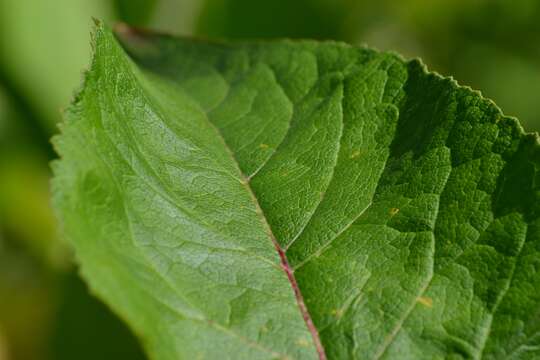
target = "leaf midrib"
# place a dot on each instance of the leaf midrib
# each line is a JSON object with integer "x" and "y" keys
{"x": 203, "y": 319}
{"x": 283, "y": 257}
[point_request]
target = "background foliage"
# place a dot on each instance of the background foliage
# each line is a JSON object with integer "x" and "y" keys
{"x": 45, "y": 310}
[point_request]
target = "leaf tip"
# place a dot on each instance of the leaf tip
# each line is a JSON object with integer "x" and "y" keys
{"x": 97, "y": 22}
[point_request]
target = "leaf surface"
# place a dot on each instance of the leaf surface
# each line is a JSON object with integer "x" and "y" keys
{"x": 299, "y": 200}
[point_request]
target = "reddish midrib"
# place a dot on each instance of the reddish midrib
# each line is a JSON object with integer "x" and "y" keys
{"x": 301, "y": 304}
{"x": 126, "y": 31}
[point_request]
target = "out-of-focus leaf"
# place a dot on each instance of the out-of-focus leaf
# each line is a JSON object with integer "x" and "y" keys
{"x": 176, "y": 17}
{"x": 28, "y": 243}
{"x": 44, "y": 46}
{"x": 499, "y": 73}
{"x": 135, "y": 12}
{"x": 25, "y": 211}
{"x": 50, "y": 315}
{"x": 3, "y": 346}
{"x": 27, "y": 298}
{"x": 24, "y": 205}
{"x": 318, "y": 19}
{"x": 85, "y": 329}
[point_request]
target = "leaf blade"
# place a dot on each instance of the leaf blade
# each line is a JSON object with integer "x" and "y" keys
{"x": 404, "y": 201}
{"x": 198, "y": 293}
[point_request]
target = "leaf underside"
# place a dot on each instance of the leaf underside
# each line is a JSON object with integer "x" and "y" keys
{"x": 405, "y": 207}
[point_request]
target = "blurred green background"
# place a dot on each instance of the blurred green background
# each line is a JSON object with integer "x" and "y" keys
{"x": 46, "y": 311}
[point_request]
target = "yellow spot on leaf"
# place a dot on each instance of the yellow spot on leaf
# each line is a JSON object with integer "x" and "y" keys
{"x": 355, "y": 154}
{"x": 394, "y": 211}
{"x": 426, "y": 301}
{"x": 302, "y": 342}
{"x": 264, "y": 146}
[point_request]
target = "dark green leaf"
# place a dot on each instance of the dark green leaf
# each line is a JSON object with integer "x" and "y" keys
{"x": 135, "y": 12}
{"x": 320, "y": 19}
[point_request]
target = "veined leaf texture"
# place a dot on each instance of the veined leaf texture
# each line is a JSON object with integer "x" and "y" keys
{"x": 299, "y": 200}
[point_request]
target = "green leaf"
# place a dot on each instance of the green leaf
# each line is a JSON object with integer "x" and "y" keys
{"x": 248, "y": 200}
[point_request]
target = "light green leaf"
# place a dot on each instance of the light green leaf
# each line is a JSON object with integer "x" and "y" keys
{"x": 244, "y": 201}
{"x": 43, "y": 46}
